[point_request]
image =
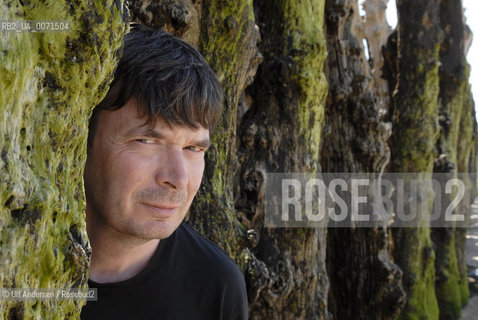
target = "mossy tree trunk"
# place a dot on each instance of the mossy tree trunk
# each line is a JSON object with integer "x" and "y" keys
{"x": 364, "y": 282}
{"x": 300, "y": 96}
{"x": 285, "y": 112}
{"x": 433, "y": 127}
{"x": 414, "y": 115}
{"x": 49, "y": 84}
{"x": 455, "y": 147}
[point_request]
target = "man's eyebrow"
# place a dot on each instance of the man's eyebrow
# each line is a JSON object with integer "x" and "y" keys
{"x": 205, "y": 143}
{"x": 151, "y": 133}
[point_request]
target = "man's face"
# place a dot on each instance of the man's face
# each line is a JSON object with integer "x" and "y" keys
{"x": 140, "y": 181}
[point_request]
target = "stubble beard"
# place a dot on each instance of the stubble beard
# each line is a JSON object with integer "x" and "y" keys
{"x": 156, "y": 229}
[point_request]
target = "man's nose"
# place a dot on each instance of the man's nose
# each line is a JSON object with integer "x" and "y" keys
{"x": 172, "y": 170}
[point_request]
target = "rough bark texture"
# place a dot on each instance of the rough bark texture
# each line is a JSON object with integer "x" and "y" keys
{"x": 415, "y": 132}
{"x": 49, "y": 84}
{"x": 300, "y": 96}
{"x": 376, "y": 32}
{"x": 286, "y": 113}
{"x": 455, "y": 148}
{"x": 364, "y": 283}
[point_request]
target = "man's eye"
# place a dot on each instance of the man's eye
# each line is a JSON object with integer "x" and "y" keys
{"x": 146, "y": 141}
{"x": 195, "y": 149}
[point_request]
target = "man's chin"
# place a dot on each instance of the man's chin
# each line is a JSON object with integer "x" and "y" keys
{"x": 158, "y": 230}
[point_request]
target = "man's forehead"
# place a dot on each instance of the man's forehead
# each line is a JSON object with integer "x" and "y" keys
{"x": 131, "y": 120}
{"x": 159, "y": 127}
{"x": 132, "y": 116}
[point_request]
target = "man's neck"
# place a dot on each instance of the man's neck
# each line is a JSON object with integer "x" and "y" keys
{"x": 114, "y": 259}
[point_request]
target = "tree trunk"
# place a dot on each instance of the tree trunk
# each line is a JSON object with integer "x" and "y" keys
{"x": 454, "y": 149}
{"x": 364, "y": 283}
{"x": 49, "y": 84}
{"x": 286, "y": 112}
{"x": 415, "y": 132}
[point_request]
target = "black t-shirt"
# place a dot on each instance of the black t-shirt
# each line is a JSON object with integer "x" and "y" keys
{"x": 188, "y": 277}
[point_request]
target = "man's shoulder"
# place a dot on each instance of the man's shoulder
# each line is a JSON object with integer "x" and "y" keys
{"x": 203, "y": 251}
{"x": 213, "y": 282}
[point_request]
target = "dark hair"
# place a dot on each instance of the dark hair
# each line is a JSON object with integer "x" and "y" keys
{"x": 168, "y": 77}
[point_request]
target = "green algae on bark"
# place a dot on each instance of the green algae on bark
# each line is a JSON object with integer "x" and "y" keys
{"x": 50, "y": 83}
{"x": 450, "y": 292}
{"x": 280, "y": 131}
{"x": 454, "y": 146}
{"x": 227, "y": 39}
{"x": 357, "y": 142}
{"x": 304, "y": 22}
{"x": 414, "y": 136}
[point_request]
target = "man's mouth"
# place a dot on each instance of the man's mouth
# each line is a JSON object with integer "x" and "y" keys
{"x": 162, "y": 210}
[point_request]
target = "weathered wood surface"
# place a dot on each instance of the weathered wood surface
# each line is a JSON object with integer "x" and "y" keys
{"x": 49, "y": 84}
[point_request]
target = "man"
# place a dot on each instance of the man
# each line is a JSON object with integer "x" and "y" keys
{"x": 145, "y": 164}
